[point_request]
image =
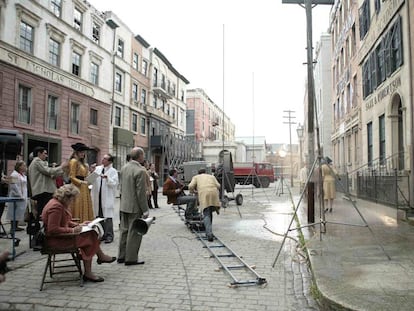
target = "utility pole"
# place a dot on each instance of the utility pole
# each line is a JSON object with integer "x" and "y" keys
{"x": 311, "y": 98}
{"x": 290, "y": 117}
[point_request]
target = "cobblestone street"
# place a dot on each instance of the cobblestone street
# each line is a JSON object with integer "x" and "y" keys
{"x": 178, "y": 273}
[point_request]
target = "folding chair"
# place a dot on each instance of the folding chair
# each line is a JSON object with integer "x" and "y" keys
{"x": 64, "y": 264}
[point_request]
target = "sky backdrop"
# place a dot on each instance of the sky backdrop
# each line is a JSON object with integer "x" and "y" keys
{"x": 247, "y": 55}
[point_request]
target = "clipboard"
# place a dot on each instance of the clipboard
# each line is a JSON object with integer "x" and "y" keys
{"x": 92, "y": 177}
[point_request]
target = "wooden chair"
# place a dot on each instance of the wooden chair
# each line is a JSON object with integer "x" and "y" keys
{"x": 63, "y": 265}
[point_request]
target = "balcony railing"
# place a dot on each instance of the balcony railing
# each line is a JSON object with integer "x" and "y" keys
{"x": 159, "y": 113}
{"x": 160, "y": 89}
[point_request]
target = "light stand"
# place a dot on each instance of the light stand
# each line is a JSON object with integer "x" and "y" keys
{"x": 311, "y": 113}
{"x": 282, "y": 155}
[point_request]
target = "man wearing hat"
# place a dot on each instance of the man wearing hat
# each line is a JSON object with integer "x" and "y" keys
{"x": 78, "y": 170}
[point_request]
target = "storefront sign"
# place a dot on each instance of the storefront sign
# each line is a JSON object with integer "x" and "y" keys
{"x": 27, "y": 64}
{"x": 383, "y": 92}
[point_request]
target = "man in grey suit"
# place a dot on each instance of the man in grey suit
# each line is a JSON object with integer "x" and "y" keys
{"x": 134, "y": 205}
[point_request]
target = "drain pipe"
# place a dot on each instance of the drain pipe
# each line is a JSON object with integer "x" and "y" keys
{"x": 410, "y": 101}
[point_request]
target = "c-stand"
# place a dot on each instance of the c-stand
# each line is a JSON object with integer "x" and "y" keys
{"x": 322, "y": 223}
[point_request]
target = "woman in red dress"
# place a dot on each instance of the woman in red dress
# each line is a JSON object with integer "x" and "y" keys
{"x": 57, "y": 219}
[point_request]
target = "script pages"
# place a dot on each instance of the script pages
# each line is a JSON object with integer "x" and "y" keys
{"x": 94, "y": 225}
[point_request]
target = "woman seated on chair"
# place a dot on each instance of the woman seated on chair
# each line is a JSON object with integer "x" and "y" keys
{"x": 57, "y": 219}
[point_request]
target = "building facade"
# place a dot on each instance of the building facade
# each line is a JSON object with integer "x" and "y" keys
{"x": 53, "y": 58}
{"x": 323, "y": 94}
{"x": 372, "y": 89}
{"x": 70, "y": 73}
{"x": 166, "y": 116}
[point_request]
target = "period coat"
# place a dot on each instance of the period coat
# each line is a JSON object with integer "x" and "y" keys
{"x": 169, "y": 188}
{"x": 42, "y": 177}
{"x": 108, "y": 191}
{"x": 329, "y": 175}
{"x": 207, "y": 188}
{"x": 57, "y": 219}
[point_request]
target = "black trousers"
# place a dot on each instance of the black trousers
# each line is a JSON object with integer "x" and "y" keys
{"x": 42, "y": 200}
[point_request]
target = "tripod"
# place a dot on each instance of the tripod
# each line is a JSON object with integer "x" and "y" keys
{"x": 279, "y": 189}
{"x": 322, "y": 223}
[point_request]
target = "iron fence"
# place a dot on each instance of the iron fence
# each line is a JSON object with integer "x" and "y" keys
{"x": 381, "y": 181}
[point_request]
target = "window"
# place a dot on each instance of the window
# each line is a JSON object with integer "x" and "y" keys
{"x": 143, "y": 96}
{"x": 52, "y": 112}
{"x": 377, "y": 6}
{"x": 369, "y": 143}
{"x": 94, "y": 73}
{"x": 118, "y": 82}
{"x": 154, "y": 102}
{"x": 364, "y": 19}
{"x": 96, "y": 29}
{"x": 134, "y": 123}
{"x": 77, "y": 19}
{"x": 384, "y": 60}
{"x": 24, "y": 105}
{"x": 155, "y": 77}
{"x": 76, "y": 62}
{"x": 381, "y": 136}
{"x": 396, "y": 46}
{"x": 120, "y": 50}
{"x": 56, "y": 7}
{"x": 135, "y": 92}
{"x": 353, "y": 44}
{"x": 143, "y": 127}
{"x": 163, "y": 81}
{"x": 118, "y": 116}
{"x": 144, "y": 69}
{"x": 54, "y": 50}
{"x": 380, "y": 54}
{"x": 26, "y": 37}
{"x": 135, "y": 61}
{"x": 93, "y": 117}
{"x": 74, "y": 118}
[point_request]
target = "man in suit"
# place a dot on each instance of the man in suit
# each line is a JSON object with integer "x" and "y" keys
{"x": 134, "y": 205}
{"x": 207, "y": 188}
{"x": 174, "y": 190}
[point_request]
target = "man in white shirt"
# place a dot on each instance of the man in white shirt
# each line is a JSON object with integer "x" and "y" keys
{"x": 103, "y": 195}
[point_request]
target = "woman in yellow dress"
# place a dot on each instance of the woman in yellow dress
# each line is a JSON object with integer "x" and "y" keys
{"x": 78, "y": 170}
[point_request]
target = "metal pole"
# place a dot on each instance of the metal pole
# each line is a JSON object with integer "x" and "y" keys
{"x": 311, "y": 144}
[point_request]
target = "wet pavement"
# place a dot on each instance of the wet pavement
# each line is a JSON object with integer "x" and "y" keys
{"x": 178, "y": 273}
{"x": 361, "y": 258}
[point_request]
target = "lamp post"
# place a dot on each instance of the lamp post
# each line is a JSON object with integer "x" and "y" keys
{"x": 299, "y": 131}
{"x": 282, "y": 155}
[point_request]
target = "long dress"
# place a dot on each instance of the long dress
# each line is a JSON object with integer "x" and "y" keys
{"x": 82, "y": 207}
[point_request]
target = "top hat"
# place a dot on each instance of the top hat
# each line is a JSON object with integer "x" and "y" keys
{"x": 79, "y": 147}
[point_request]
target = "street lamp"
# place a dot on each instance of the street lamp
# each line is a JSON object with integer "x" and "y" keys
{"x": 282, "y": 155}
{"x": 299, "y": 131}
